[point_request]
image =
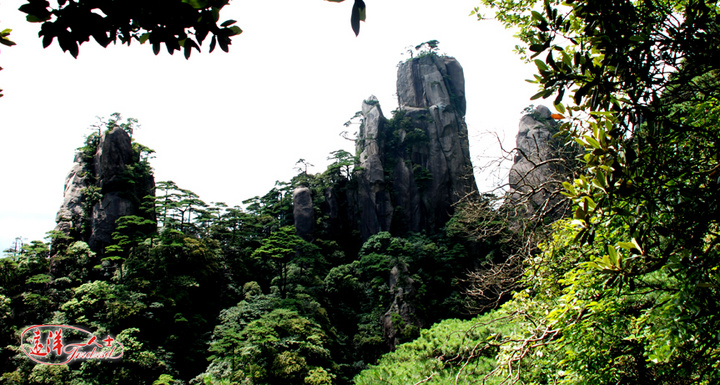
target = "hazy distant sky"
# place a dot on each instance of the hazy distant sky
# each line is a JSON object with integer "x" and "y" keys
{"x": 227, "y": 126}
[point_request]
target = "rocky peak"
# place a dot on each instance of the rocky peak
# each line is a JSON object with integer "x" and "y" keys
{"x": 416, "y": 166}
{"x": 368, "y": 143}
{"x": 113, "y": 156}
{"x": 101, "y": 187}
{"x": 430, "y": 81}
{"x": 72, "y": 212}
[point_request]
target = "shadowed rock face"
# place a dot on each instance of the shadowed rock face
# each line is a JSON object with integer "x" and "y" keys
{"x": 100, "y": 190}
{"x": 413, "y": 170}
{"x": 303, "y": 212}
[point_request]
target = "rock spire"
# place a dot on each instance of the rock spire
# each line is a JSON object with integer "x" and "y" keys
{"x": 108, "y": 180}
{"x": 415, "y": 166}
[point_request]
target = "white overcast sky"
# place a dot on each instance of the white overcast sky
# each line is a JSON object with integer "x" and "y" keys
{"x": 228, "y": 125}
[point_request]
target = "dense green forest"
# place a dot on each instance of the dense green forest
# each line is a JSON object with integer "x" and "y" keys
{"x": 213, "y": 294}
{"x": 624, "y": 290}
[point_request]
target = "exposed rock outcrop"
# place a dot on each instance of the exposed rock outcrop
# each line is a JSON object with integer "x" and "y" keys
{"x": 102, "y": 187}
{"x": 72, "y": 213}
{"x": 303, "y": 213}
{"x": 411, "y": 169}
{"x": 416, "y": 166}
{"x": 373, "y": 198}
{"x": 542, "y": 163}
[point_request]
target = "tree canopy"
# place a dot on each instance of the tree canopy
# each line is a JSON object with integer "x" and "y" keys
{"x": 176, "y": 24}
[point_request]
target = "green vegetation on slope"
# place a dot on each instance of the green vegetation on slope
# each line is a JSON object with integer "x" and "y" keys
{"x": 626, "y": 291}
{"x": 217, "y": 294}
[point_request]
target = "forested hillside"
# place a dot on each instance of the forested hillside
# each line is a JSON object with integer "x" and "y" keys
{"x": 598, "y": 264}
{"x": 625, "y": 291}
{"x": 308, "y": 283}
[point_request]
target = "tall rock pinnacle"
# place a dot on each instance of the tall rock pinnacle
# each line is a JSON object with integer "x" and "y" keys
{"x": 107, "y": 181}
{"x": 416, "y": 166}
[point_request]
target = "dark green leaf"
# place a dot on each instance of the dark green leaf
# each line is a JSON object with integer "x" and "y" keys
{"x": 538, "y": 95}
{"x": 188, "y": 46}
{"x": 541, "y": 65}
{"x": 558, "y": 100}
{"x": 35, "y": 19}
{"x": 223, "y": 42}
{"x": 68, "y": 44}
{"x": 172, "y": 46}
{"x": 357, "y": 14}
{"x": 213, "y": 41}
{"x": 101, "y": 38}
{"x": 201, "y": 34}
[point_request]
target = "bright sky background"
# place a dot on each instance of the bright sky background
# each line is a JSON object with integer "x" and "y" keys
{"x": 227, "y": 126}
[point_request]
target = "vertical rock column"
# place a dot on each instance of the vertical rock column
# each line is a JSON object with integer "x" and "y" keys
{"x": 303, "y": 213}
{"x": 411, "y": 174}
{"x": 373, "y": 200}
{"x": 103, "y": 189}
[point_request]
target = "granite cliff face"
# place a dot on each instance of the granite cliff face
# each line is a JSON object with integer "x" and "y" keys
{"x": 414, "y": 167}
{"x": 102, "y": 187}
